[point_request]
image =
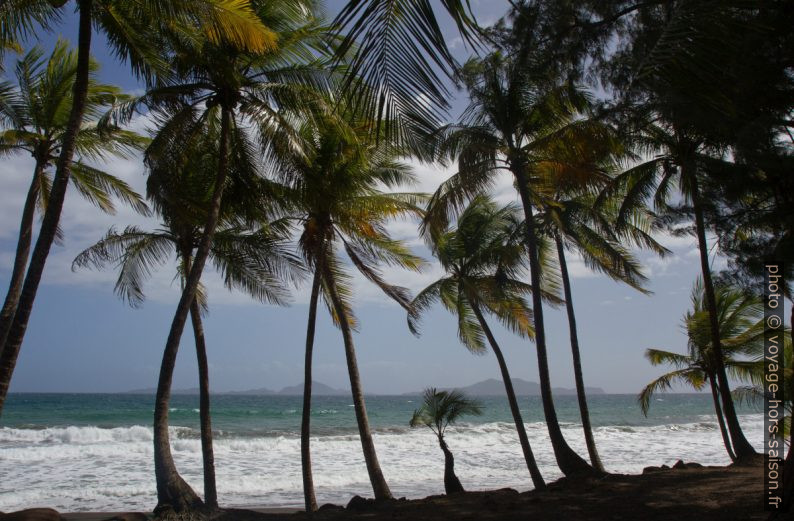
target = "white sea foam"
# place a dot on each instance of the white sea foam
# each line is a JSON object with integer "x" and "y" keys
{"x": 90, "y": 468}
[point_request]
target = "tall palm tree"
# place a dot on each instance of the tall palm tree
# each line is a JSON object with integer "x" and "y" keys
{"x": 484, "y": 259}
{"x": 335, "y": 189}
{"x": 254, "y": 260}
{"x": 574, "y": 221}
{"x": 131, "y": 29}
{"x": 35, "y": 113}
{"x": 240, "y": 90}
{"x": 538, "y": 134}
{"x": 682, "y": 159}
{"x": 439, "y": 410}
{"x": 742, "y": 335}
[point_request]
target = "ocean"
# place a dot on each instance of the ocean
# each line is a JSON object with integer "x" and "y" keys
{"x": 81, "y": 452}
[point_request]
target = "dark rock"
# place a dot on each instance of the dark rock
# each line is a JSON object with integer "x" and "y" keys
{"x": 679, "y": 464}
{"x": 32, "y": 514}
{"x": 693, "y": 465}
{"x": 360, "y": 504}
{"x": 330, "y": 506}
{"x": 129, "y": 516}
{"x": 651, "y": 470}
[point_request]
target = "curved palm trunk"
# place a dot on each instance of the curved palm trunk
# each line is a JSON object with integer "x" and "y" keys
{"x": 529, "y": 457}
{"x": 577, "y": 361}
{"x": 379, "y": 485}
{"x": 172, "y": 491}
{"x": 207, "y": 453}
{"x": 22, "y": 254}
{"x": 569, "y": 461}
{"x": 306, "y": 457}
{"x": 720, "y": 419}
{"x": 49, "y": 224}
{"x": 741, "y": 446}
{"x": 452, "y": 484}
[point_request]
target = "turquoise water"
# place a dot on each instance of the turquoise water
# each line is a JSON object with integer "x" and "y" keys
{"x": 79, "y": 452}
{"x": 278, "y": 415}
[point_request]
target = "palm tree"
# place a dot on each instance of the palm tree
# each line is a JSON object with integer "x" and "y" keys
{"x": 254, "y": 261}
{"x": 574, "y": 221}
{"x": 35, "y": 113}
{"x": 439, "y": 410}
{"x": 335, "y": 189}
{"x": 682, "y": 159}
{"x": 130, "y": 31}
{"x": 240, "y": 91}
{"x": 484, "y": 258}
{"x": 539, "y": 135}
{"x": 742, "y": 334}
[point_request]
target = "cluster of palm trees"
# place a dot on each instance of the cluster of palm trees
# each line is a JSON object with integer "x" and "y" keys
{"x": 279, "y": 151}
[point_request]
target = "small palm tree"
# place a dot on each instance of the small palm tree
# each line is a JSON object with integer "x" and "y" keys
{"x": 439, "y": 410}
{"x": 335, "y": 190}
{"x": 35, "y": 114}
{"x": 484, "y": 259}
{"x": 741, "y": 330}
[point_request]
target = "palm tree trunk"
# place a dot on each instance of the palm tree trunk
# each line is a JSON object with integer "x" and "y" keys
{"x": 569, "y": 461}
{"x": 205, "y": 419}
{"x": 379, "y": 485}
{"x": 577, "y": 360}
{"x": 720, "y": 419}
{"x": 49, "y": 224}
{"x": 741, "y": 446}
{"x": 172, "y": 491}
{"x": 207, "y": 453}
{"x": 452, "y": 484}
{"x": 22, "y": 254}
{"x": 306, "y": 457}
{"x": 529, "y": 457}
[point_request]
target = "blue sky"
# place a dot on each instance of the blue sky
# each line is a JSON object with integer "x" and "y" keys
{"x": 81, "y": 338}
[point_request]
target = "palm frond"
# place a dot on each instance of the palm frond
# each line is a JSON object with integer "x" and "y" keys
{"x": 691, "y": 377}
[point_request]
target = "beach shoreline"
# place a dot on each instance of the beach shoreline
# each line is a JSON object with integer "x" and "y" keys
{"x": 685, "y": 491}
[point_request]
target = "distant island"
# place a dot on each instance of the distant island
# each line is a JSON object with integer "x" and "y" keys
{"x": 494, "y": 387}
{"x": 489, "y": 387}
{"x": 318, "y": 389}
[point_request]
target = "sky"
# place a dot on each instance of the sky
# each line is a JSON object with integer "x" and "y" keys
{"x": 82, "y": 338}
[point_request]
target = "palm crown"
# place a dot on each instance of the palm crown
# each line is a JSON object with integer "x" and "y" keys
{"x": 741, "y": 329}
{"x": 485, "y": 259}
{"x": 36, "y": 112}
{"x": 440, "y": 409}
{"x": 336, "y": 189}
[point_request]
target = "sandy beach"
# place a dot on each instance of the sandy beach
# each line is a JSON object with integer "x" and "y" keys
{"x": 689, "y": 491}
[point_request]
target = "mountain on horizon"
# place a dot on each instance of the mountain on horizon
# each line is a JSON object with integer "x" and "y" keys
{"x": 318, "y": 389}
{"x": 494, "y": 387}
{"x": 489, "y": 387}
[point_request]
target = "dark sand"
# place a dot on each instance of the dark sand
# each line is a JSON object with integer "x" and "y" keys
{"x": 702, "y": 493}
